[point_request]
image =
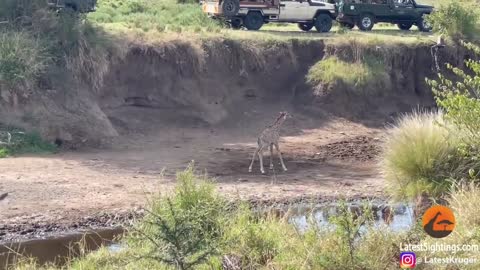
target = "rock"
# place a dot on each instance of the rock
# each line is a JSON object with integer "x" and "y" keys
{"x": 3, "y": 196}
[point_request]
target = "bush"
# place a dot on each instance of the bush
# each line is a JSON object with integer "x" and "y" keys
{"x": 183, "y": 230}
{"x": 15, "y": 141}
{"x": 64, "y": 39}
{"x": 417, "y": 154}
{"x": 358, "y": 74}
{"x": 22, "y": 59}
{"x": 456, "y": 19}
{"x": 460, "y": 100}
{"x": 426, "y": 153}
{"x": 461, "y": 103}
{"x": 256, "y": 241}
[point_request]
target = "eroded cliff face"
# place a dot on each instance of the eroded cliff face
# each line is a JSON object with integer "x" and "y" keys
{"x": 212, "y": 82}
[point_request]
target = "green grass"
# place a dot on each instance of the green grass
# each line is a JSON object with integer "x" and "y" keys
{"x": 415, "y": 150}
{"x": 23, "y": 58}
{"x": 187, "y": 225}
{"x": 422, "y": 155}
{"x": 361, "y": 75}
{"x": 22, "y": 142}
{"x": 154, "y": 15}
{"x": 430, "y": 152}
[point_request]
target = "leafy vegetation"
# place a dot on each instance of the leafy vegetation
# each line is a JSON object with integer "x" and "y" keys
{"x": 430, "y": 153}
{"x": 415, "y": 156}
{"x": 183, "y": 230}
{"x": 15, "y": 141}
{"x": 457, "y": 19}
{"x": 36, "y": 39}
{"x": 23, "y": 58}
{"x": 156, "y": 15}
{"x": 360, "y": 74}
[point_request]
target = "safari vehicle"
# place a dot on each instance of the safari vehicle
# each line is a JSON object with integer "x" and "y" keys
{"x": 81, "y": 6}
{"x": 365, "y": 13}
{"x": 252, "y": 14}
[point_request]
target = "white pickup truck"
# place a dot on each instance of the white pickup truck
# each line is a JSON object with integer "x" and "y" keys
{"x": 252, "y": 14}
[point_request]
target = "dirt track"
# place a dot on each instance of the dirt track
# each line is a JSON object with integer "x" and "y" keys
{"x": 325, "y": 158}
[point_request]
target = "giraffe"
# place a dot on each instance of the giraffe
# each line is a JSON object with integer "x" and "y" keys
{"x": 267, "y": 139}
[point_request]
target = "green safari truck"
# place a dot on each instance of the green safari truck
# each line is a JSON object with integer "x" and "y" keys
{"x": 365, "y": 13}
{"x": 81, "y": 6}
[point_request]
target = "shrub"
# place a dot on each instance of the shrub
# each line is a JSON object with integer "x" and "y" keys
{"x": 22, "y": 59}
{"x": 456, "y": 19}
{"x": 461, "y": 103}
{"x": 257, "y": 241}
{"x": 348, "y": 226}
{"x": 358, "y": 74}
{"x": 460, "y": 99}
{"x": 183, "y": 230}
{"x": 417, "y": 154}
{"x": 15, "y": 141}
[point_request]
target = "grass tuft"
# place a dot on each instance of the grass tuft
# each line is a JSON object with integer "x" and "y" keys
{"x": 23, "y": 58}
{"x": 417, "y": 148}
{"x": 360, "y": 75}
{"x": 16, "y": 142}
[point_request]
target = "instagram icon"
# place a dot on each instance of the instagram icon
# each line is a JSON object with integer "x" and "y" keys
{"x": 408, "y": 260}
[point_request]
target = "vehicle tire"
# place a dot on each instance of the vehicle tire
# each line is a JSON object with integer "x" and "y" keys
{"x": 236, "y": 23}
{"x": 230, "y": 7}
{"x": 253, "y": 21}
{"x": 347, "y": 25}
{"x": 323, "y": 23}
{"x": 423, "y": 25}
{"x": 404, "y": 26}
{"x": 305, "y": 26}
{"x": 366, "y": 22}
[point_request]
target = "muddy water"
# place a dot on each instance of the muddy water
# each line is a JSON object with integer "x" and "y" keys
{"x": 398, "y": 217}
{"x": 57, "y": 249}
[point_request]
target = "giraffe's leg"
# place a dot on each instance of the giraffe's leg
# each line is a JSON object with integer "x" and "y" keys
{"x": 280, "y": 156}
{"x": 253, "y": 160}
{"x": 271, "y": 156}
{"x": 260, "y": 156}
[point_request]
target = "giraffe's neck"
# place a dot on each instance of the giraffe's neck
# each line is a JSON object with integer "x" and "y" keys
{"x": 277, "y": 124}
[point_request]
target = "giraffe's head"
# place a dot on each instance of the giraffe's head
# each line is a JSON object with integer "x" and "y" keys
{"x": 283, "y": 116}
